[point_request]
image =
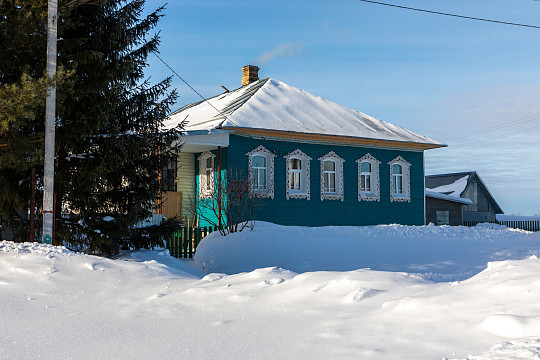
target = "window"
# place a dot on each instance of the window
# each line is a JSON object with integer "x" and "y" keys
{"x": 295, "y": 175}
{"x": 368, "y": 178}
{"x": 208, "y": 170}
{"x": 168, "y": 176}
{"x": 298, "y": 174}
{"x": 206, "y": 174}
{"x": 331, "y": 177}
{"x": 443, "y": 217}
{"x": 258, "y": 178}
{"x": 365, "y": 177}
{"x": 261, "y": 172}
{"x": 399, "y": 180}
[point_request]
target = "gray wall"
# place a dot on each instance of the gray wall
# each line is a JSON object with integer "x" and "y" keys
{"x": 434, "y": 205}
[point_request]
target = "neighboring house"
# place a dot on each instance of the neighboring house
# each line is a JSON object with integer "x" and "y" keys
{"x": 444, "y": 209}
{"x": 311, "y": 162}
{"x": 466, "y": 185}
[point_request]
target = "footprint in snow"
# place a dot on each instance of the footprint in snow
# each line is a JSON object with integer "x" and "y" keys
{"x": 360, "y": 294}
{"x": 273, "y": 281}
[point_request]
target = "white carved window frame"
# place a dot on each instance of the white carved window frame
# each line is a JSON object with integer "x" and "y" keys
{"x": 305, "y": 177}
{"x": 338, "y": 195}
{"x": 204, "y": 192}
{"x": 406, "y": 170}
{"x": 375, "y": 193}
{"x": 269, "y": 156}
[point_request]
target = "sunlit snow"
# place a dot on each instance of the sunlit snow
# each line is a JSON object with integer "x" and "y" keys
{"x": 384, "y": 292}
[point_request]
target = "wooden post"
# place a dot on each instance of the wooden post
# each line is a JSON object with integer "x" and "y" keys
{"x": 33, "y": 205}
{"x": 185, "y": 243}
{"x": 54, "y": 219}
{"x": 50, "y": 115}
{"x": 219, "y": 185}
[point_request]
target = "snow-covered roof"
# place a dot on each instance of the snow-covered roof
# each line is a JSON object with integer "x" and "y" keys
{"x": 454, "y": 189}
{"x": 437, "y": 195}
{"x": 270, "y": 104}
{"x": 454, "y": 185}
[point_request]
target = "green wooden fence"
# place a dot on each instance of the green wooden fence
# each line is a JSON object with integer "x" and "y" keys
{"x": 183, "y": 243}
{"x": 529, "y": 225}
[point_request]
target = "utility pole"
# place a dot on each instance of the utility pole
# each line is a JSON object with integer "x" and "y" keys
{"x": 50, "y": 116}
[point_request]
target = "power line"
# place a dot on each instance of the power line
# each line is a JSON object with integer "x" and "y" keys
{"x": 191, "y": 87}
{"x": 497, "y": 127}
{"x": 522, "y": 131}
{"x": 454, "y": 15}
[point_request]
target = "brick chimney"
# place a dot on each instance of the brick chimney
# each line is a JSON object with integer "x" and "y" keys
{"x": 250, "y": 73}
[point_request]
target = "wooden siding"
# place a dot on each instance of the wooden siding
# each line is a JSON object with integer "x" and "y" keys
{"x": 172, "y": 204}
{"x": 454, "y": 209}
{"x": 209, "y": 214}
{"x": 315, "y": 212}
{"x": 480, "y": 209}
{"x": 186, "y": 182}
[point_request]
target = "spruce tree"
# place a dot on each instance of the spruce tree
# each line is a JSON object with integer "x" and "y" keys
{"x": 109, "y": 147}
{"x": 22, "y": 98}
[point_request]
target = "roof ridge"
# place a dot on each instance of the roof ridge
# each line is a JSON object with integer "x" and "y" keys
{"x": 238, "y": 102}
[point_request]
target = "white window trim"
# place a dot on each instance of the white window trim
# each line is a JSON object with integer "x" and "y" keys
{"x": 375, "y": 193}
{"x": 203, "y": 192}
{"x": 269, "y": 156}
{"x": 338, "y": 195}
{"x": 305, "y": 172}
{"x": 406, "y": 166}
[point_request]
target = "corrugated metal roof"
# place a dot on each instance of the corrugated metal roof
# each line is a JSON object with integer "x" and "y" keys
{"x": 272, "y": 105}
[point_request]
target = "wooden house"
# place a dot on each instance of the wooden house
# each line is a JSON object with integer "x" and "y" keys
{"x": 444, "y": 209}
{"x": 466, "y": 185}
{"x": 310, "y": 161}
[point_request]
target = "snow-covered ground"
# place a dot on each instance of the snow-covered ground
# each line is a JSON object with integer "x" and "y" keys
{"x": 385, "y": 292}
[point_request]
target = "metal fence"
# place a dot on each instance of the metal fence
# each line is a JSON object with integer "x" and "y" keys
{"x": 529, "y": 225}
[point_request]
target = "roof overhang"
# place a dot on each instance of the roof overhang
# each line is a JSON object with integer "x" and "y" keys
{"x": 335, "y": 138}
{"x": 203, "y": 140}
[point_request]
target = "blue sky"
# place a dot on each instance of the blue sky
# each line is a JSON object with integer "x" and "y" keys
{"x": 467, "y": 83}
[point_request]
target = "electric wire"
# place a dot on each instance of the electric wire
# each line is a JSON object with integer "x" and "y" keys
{"x": 522, "y": 131}
{"x": 496, "y": 127}
{"x": 191, "y": 87}
{"x": 454, "y": 15}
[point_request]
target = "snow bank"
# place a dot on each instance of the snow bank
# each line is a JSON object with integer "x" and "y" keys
{"x": 9, "y": 246}
{"x": 57, "y": 304}
{"x": 437, "y": 252}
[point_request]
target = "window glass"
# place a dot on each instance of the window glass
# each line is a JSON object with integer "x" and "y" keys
{"x": 295, "y": 164}
{"x": 208, "y": 179}
{"x": 262, "y": 179}
{"x": 365, "y": 182}
{"x": 365, "y": 167}
{"x": 209, "y": 162}
{"x": 258, "y": 168}
{"x": 396, "y": 169}
{"x": 329, "y": 176}
{"x": 258, "y": 161}
{"x": 329, "y": 166}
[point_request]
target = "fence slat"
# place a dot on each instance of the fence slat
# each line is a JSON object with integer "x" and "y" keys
{"x": 528, "y": 225}
{"x": 184, "y": 243}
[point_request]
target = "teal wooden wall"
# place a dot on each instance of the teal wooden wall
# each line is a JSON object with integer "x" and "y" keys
{"x": 315, "y": 212}
{"x": 204, "y": 209}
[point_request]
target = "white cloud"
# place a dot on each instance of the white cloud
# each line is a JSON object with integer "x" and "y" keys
{"x": 288, "y": 49}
